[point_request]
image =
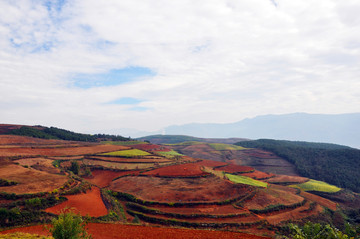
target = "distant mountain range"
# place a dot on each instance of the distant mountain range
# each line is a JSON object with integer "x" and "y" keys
{"x": 341, "y": 129}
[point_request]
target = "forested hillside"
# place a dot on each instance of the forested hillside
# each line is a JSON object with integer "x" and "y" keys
{"x": 56, "y": 133}
{"x": 335, "y": 164}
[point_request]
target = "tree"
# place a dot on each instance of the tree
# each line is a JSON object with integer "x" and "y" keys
{"x": 75, "y": 168}
{"x": 316, "y": 231}
{"x": 69, "y": 226}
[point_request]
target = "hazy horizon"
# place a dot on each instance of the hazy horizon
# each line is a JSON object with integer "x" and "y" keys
{"x": 102, "y": 65}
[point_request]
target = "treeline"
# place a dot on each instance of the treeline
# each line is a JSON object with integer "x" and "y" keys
{"x": 334, "y": 164}
{"x": 56, "y": 133}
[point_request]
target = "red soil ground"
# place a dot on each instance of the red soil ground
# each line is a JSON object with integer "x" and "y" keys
{"x": 30, "y": 180}
{"x": 132, "y": 160}
{"x": 180, "y": 170}
{"x": 151, "y": 147}
{"x": 257, "y": 153}
{"x": 210, "y": 163}
{"x": 320, "y": 200}
{"x": 286, "y": 179}
{"x": 60, "y": 151}
{"x": 208, "y": 209}
{"x": 232, "y": 168}
{"x": 23, "y": 140}
{"x": 103, "y": 178}
{"x": 89, "y": 203}
{"x": 118, "y": 231}
{"x": 207, "y": 189}
{"x": 258, "y": 175}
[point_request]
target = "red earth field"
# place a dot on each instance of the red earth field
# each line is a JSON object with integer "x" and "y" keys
{"x": 207, "y": 189}
{"x": 232, "y": 168}
{"x": 179, "y": 170}
{"x": 103, "y": 178}
{"x": 117, "y": 231}
{"x": 89, "y": 203}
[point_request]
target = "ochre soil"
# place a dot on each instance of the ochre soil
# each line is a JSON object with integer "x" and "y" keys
{"x": 232, "y": 168}
{"x": 131, "y": 160}
{"x": 180, "y": 170}
{"x": 258, "y": 175}
{"x": 320, "y": 200}
{"x": 119, "y": 231}
{"x": 30, "y": 180}
{"x": 103, "y": 178}
{"x": 210, "y": 163}
{"x": 206, "y": 189}
{"x": 60, "y": 151}
{"x": 208, "y": 209}
{"x": 272, "y": 196}
{"x": 41, "y": 164}
{"x": 89, "y": 203}
{"x": 23, "y": 140}
{"x": 286, "y": 179}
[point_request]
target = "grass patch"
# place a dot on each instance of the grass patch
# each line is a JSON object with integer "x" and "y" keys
{"x": 246, "y": 180}
{"x": 128, "y": 153}
{"x": 314, "y": 185}
{"x": 218, "y": 146}
{"x": 132, "y": 142}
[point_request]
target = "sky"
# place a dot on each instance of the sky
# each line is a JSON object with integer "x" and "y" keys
{"x": 90, "y": 65}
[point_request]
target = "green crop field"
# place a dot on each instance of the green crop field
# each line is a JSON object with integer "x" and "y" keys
{"x": 128, "y": 153}
{"x": 169, "y": 154}
{"x": 123, "y": 142}
{"x": 313, "y": 185}
{"x": 218, "y": 146}
{"x": 246, "y": 180}
{"x": 19, "y": 235}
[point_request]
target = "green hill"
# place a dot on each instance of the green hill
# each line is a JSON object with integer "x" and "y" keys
{"x": 335, "y": 164}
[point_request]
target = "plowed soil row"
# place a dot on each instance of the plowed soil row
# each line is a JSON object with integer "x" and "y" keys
{"x": 89, "y": 203}
{"x": 258, "y": 175}
{"x": 210, "y": 163}
{"x": 208, "y": 209}
{"x": 118, "y": 231}
{"x": 285, "y": 179}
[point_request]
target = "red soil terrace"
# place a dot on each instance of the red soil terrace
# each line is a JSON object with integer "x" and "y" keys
{"x": 89, "y": 203}
{"x": 210, "y": 163}
{"x": 103, "y": 178}
{"x": 232, "y": 168}
{"x": 179, "y": 170}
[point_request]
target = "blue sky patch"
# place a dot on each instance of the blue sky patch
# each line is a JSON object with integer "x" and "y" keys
{"x": 111, "y": 78}
{"x": 126, "y": 101}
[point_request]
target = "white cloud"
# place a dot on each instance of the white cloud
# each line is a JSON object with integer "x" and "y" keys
{"x": 215, "y": 61}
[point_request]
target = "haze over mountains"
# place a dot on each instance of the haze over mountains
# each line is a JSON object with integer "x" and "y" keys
{"x": 339, "y": 129}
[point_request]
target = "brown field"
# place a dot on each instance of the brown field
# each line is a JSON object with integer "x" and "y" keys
{"x": 89, "y": 203}
{"x": 119, "y": 231}
{"x": 23, "y": 140}
{"x": 179, "y": 170}
{"x": 121, "y": 166}
{"x": 320, "y": 200}
{"x": 204, "y": 209}
{"x": 103, "y": 178}
{"x": 258, "y": 175}
{"x": 206, "y": 189}
{"x": 286, "y": 179}
{"x": 153, "y": 159}
{"x": 272, "y": 196}
{"x": 41, "y": 164}
{"x": 63, "y": 151}
{"x": 30, "y": 180}
{"x": 292, "y": 215}
{"x": 210, "y": 163}
{"x": 232, "y": 168}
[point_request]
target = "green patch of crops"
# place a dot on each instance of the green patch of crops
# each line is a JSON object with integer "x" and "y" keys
{"x": 314, "y": 185}
{"x": 246, "y": 180}
{"x": 19, "y": 235}
{"x": 128, "y": 153}
{"x": 186, "y": 143}
{"x": 123, "y": 142}
{"x": 218, "y": 146}
{"x": 171, "y": 153}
